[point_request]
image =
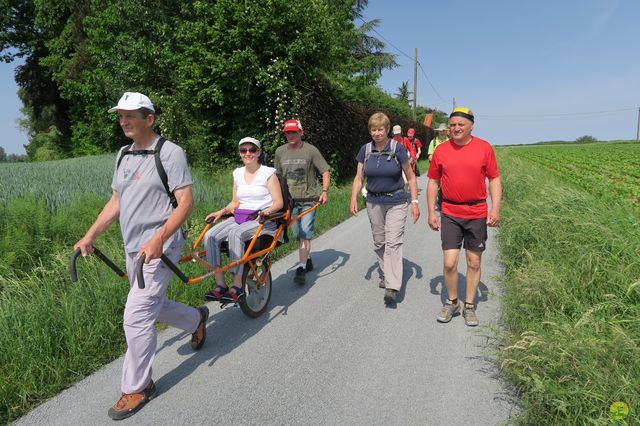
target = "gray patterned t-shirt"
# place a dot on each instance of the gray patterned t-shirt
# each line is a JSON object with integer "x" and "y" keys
{"x": 144, "y": 203}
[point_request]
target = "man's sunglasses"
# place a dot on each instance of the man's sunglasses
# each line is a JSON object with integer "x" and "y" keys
{"x": 252, "y": 150}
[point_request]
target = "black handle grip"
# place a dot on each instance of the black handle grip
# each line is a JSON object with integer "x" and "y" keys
{"x": 74, "y": 256}
{"x": 139, "y": 273}
{"x": 72, "y": 265}
{"x": 174, "y": 268}
{"x": 224, "y": 216}
{"x": 108, "y": 262}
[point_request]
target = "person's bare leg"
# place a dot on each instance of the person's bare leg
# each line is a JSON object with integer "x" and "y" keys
{"x": 473, "y": 275}
{"x": 450, "y": 272}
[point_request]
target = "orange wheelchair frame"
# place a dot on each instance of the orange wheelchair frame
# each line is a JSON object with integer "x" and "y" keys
{"x": 256, "y": 277}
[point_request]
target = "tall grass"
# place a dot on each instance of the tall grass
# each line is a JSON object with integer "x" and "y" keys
{"x": 52, "y": 332}
{"x": 572, "y": 296}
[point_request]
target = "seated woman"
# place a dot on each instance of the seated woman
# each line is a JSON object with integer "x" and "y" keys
{"x": 256, "y": 192}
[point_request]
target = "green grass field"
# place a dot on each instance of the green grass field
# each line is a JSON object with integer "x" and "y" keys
{"x": 52, "y": 332}
{"x": 570, "y": 242}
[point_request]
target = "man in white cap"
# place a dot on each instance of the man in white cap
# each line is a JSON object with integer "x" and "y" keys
{"x": 150, "y": 221}
{"x": 442, "y": 134}
{"x": 300, "y": 163}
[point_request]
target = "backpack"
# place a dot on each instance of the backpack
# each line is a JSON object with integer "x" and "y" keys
{"x": 287, "y": 205}
{"x": 368, "y": 152}
{"x": 159, "y": 167}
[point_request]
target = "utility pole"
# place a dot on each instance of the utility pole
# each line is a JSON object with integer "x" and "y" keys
{"x": 415, "y": 81}
{"x": 638, "y": 130}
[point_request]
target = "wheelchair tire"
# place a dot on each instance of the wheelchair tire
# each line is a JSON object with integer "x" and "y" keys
{"x": 257, "y": 297}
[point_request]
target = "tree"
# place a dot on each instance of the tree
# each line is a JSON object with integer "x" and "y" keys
{"x": 403, "y": 92}
{"x": 3, "y": 155}
{"x": 217, "y": 71}
{"x": 586, "y": 139}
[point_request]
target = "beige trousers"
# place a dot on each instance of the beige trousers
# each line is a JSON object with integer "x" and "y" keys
{"x": 387, "y": 227}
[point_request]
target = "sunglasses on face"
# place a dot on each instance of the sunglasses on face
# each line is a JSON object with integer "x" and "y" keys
{"x": 252, "y": 150}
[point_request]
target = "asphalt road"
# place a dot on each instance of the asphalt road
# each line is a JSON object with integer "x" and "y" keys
{"x": 329, "y": 352}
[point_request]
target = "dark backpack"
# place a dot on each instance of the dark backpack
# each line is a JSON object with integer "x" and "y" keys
{"x": 287, "y": 205}
{"x": 159, "y": 167}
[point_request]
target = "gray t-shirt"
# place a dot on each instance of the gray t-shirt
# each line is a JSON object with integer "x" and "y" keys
{"x": 301, "y": 168}
{"x": 144, "y": 203}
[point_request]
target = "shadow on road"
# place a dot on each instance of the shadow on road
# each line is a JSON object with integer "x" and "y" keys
{"x": 481, "y": 296}
{"x": 228, "y": 328}
{"x": 409, "y": 269}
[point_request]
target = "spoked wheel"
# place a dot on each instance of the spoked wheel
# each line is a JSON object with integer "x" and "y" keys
{"x": 256, "y": 282}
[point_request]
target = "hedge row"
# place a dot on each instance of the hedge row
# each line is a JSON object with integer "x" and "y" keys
{"x": 339, "y": 128}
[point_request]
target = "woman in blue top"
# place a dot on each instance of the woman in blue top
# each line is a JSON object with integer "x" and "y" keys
{"x": 382, "y": 161}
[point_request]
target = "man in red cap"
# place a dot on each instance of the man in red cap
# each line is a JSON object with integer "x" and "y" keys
{"x": 414, "y": 146}
{"x": 301, "y": 163}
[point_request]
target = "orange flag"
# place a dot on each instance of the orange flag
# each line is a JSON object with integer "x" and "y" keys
{"x": 427, "y": 120}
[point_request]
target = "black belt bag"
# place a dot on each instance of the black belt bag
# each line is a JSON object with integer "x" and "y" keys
{"x": 465, "y": 203}
{"x": 385, "y": 194}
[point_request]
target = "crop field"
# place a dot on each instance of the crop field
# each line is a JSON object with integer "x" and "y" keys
{"x": 569, "y": 244}
{"x": 606, "y": 169}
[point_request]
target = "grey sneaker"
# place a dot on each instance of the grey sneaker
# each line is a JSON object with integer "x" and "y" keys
{"x": 390, "y": 296}
{"x": 448, "y": 311}
{"x": 469, "y": 314}
{"x": 382, "y": 283}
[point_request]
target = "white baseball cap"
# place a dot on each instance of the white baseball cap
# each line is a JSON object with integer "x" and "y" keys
{"x": 249, "y": 139}
{"x": 397, "y": 129}
{"x": 131, "y": 101}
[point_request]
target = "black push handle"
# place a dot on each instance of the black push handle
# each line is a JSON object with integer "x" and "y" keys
{"x": 74, "y": 256}
{"x": 174, "y": 268}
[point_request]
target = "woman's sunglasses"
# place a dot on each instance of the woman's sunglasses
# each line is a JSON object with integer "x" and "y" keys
{"x": 252, "y": 150}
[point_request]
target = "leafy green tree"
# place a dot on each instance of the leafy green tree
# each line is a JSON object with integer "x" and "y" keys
{"x": 586, "y": 139}
{"x": 3, "y": 155}
{"x": 403, "y": 92}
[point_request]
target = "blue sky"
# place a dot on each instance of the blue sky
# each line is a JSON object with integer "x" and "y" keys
{"x": 530, "y": 71}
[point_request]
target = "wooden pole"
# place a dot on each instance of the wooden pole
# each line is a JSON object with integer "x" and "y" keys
{"x": 638, "y": 130}
{"x": 415, "y": 81}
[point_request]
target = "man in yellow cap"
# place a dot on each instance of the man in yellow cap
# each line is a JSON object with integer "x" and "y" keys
{"x": 460, "y": 166}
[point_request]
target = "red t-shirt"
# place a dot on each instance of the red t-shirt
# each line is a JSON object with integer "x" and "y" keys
{"x": 412, "y": 147}
{"x": 462, "y": 171}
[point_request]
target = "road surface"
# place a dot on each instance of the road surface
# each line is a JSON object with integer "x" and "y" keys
{"x": 329, "y": 352}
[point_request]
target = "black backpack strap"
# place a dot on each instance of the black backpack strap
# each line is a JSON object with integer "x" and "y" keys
{"x": 124, "y": 152}
{"x": 163, "y": 173}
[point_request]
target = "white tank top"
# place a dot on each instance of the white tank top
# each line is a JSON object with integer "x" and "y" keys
{"x": 253, "y": 196}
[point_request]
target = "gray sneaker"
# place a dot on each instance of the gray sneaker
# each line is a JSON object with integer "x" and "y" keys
{"x": 382, "y": 283}
{"x": 389, "y": 296}
{"x": 448, "y": 311}
{"x": 469, "y": 314}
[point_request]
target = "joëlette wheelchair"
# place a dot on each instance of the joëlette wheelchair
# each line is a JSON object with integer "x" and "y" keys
{"x": 256, "y": 277}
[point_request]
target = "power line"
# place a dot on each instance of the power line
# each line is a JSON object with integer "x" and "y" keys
{"x": 551, "y": 115}
{"x": 407, "y": 56}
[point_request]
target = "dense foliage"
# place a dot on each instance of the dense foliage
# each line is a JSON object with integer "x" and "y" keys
{"x": 218, "y": 71}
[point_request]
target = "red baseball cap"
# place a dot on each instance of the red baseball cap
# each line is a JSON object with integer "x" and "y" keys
{"x": 292, "y": 125}
{"x": 411, "y": 132}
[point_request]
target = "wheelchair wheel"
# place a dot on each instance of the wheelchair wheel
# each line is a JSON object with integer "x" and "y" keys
{"x": 257, "y": 295}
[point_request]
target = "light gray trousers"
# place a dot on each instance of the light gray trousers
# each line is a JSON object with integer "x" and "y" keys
{"x": 387, "y": 227}
{"x": 144, "y": 307}
{"x": 236, "y": 235}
